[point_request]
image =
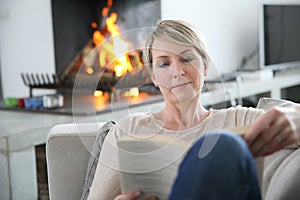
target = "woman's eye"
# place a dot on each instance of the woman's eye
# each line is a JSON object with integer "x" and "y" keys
{"x": 163, "y": 64}
{"x": 187, "y": 59}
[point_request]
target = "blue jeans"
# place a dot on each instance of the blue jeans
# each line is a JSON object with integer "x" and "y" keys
{"x": 226, "y": 171}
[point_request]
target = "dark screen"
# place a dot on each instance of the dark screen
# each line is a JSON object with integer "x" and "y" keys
{"x": 282, "y": 33}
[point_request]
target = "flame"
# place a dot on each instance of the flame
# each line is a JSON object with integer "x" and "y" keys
{"x": 106, "y": 9}
{"x": 98, "y": 93}
{"x": 89, "y": 70}
{"x": 98, "y": 38}
{"x": 113, "y": 51}
{"x": 133, "y": 92}
{"x": 94, "y": 25}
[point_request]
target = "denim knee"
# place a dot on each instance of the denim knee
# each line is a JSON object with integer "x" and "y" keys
{"x": 218, "y": 166}
{"x": 221, "y": 142}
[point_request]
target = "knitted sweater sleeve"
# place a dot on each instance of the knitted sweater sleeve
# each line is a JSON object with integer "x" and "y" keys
{"x": 106, "y": 185}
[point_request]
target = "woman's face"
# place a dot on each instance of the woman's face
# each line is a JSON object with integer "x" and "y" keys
{"x": 177, "y": 70}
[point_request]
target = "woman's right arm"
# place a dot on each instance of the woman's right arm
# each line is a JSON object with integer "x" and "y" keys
{"x": 106, "y": 184}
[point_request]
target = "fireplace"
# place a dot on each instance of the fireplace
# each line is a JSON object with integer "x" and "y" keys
{"x": 79, "y": 24}
{"x": 83, "y": 31}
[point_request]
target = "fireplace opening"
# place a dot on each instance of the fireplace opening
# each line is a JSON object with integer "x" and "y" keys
{"x": 79, "y": 24}
{"x": 72, "y": 23}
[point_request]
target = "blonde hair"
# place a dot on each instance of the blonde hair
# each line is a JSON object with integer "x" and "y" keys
{"x": 179, "y": 32}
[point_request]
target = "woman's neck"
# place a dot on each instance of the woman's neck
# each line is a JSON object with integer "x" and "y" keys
{"x": 181, "y": 116}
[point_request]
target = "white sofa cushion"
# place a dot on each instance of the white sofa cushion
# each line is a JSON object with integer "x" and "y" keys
{"x": 267, "y": 103}
{"x": 68, "y": 150}
{"x": 69, "y": 147}
{"x": 281, "y": 169}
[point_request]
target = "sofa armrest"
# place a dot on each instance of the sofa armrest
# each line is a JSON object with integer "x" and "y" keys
{"x": 282, "y": 168}
{"x": 67, "y": 154}
{"x": 267, "y": 103}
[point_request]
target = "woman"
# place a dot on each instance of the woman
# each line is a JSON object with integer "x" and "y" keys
{"x": 178, "y": 60}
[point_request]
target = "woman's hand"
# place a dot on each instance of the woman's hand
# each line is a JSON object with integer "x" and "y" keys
{"x": 133, "y": 195}
{"x": 129, "y": 195}
{"x": 275, "y": 129}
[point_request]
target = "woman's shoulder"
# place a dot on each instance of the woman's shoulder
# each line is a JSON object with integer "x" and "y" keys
{"x": 135, "y": 118}
{"x": 135, "y": 123}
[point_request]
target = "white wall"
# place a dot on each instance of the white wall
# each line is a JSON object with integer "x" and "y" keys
{"x": 26, "y": 37}
{"x": 230, "y": 27}
{"x": 26, "y": 42}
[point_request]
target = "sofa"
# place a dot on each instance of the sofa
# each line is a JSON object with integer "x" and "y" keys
{"x": 68, "y": 150}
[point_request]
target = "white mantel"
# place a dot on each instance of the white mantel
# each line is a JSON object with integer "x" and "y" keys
{"x": 21, "y": 131}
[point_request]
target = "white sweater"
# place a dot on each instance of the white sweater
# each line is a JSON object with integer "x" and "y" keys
{"x": 106, "y": 181}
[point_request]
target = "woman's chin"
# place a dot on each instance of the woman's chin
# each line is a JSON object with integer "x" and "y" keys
{"x": 185, "y": 95}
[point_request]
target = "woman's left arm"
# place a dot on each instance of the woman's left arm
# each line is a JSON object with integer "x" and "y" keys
{"x": 277, "y": 128}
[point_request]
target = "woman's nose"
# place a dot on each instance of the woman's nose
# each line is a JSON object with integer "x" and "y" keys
{"x": 178, "y": 70}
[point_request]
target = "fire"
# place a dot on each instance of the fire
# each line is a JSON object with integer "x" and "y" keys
{"x": 89, "y": 70}
{"x": 98, "y": 93}
{"x": 133, "y": 92}
{"x": 113, "y": 51}
{"x": 106, "y": 9}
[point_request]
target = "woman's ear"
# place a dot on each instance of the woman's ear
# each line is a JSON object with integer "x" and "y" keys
{"x": 205, "y": 69}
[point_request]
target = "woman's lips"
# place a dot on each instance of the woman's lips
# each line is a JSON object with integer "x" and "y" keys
{"x": 180, "y": 85}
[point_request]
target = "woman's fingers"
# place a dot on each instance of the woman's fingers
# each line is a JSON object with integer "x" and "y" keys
{"x": 282, "y": 144}
{"x": 270, "y": 132}
{"x": 129, "y": 195}
{"x": 281, "y": 139}
{"x": 134, "y": 195}
{"x": 150, "y": 198}
{"x": 269, "y": 137}
{"x": 262, "y": 123}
